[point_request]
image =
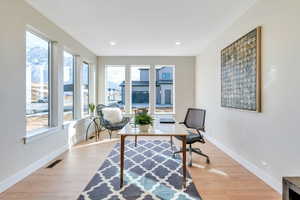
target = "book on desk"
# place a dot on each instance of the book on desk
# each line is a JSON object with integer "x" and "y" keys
{"x": 167, "y": 121}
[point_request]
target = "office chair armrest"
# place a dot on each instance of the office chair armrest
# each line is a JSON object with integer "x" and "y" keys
{"x": 180, "y": 122}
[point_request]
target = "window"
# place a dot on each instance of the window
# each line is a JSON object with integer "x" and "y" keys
{"x": 164, "y": 89}
{"x": 37, "y": 82}
{"x": 68, "y": 86}
{"x": 140, "y": 87}
{"x": 150, "y": 87}
{"x": 85, "y": 88}
{"x": 115, "y": 85}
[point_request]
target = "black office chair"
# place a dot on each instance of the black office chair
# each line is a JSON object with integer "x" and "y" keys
{"x": 194, "y": 119}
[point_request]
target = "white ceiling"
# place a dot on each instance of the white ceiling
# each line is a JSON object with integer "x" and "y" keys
{"x": 141, "y": 27}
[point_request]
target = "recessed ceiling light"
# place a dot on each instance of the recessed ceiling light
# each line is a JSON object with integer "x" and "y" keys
{"x": 178, "y": 43}
{"x": 112, "y": 43}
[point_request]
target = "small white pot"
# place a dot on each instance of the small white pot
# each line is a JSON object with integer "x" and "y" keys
{"x": 92, "y": 114}
{"x": 144, "y": 128}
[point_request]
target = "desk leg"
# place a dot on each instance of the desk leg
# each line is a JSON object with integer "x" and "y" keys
{"x": 184, "y": 160}
{"x": 122, "y": 148}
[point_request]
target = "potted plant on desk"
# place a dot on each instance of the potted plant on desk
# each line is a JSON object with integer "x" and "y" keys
{"x": 144, "y": 120}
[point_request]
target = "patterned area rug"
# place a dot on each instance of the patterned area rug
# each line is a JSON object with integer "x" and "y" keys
{"x": 150, "y": 173}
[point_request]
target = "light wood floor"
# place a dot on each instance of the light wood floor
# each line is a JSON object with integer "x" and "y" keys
{"x": 223, "y": 179}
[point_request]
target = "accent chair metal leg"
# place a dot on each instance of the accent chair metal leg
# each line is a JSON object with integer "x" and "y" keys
{"x": 97, "y": 130}
{"x": 110, "y": 133}
{"x": 87, "y": 131}
{"x": 190, "y": 153}
{"x": 135, "y": 141}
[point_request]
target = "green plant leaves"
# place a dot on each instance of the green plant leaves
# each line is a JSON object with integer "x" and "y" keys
{"x": 143, "y": 119}
{"x": 92, "y": 107}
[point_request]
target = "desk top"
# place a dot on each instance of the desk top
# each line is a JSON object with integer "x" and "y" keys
{"x": 158, "y": 129}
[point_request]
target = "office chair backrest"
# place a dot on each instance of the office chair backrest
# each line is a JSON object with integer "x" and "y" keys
{"x": 195, "y": 119}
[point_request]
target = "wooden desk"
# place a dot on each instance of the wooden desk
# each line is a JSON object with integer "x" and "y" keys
{"x": 157, "y": 130}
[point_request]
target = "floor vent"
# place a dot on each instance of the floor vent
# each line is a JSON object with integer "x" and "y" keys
{"x": 53, "y": 164}
{"x": 92, "y": 137}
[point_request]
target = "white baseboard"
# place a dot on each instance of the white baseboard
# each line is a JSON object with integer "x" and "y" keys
{"x": 271, "y": 181}
{"x": 10, "y": 181}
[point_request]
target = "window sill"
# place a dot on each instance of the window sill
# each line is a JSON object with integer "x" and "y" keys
{"x": 39, "y": 134}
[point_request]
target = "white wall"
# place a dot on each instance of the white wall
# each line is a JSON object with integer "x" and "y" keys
{"x": 268, "y": 142}
{"x": 184, "y": 76}
{"x": 14, "y": 155}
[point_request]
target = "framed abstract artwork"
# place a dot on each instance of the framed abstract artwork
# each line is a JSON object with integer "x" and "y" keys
{"x": 241, "y": 73}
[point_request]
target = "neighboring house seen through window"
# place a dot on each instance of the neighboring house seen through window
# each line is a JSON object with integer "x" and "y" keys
{"x": 166, "y": 76}
{"x": 164, "y": 89}
{"x": 135, "y": 79}
{"x": 139, "y": 87}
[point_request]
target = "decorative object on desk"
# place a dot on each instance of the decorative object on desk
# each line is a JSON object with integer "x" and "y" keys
{"x": 144, "y": 128}
{"x": 167, "y": 121}
{"x": 152, "y": 174}
{"x": 241, "y": 73}
{"x": 92, "y": 108}
{"x": 144, "y": 120}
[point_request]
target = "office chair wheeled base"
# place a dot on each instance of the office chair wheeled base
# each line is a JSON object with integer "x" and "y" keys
{"x": 195, "y": 150}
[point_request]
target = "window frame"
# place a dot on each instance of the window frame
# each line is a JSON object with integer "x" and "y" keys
{"x": 173, "y": 91}
{"x": 51, "y": 123}
{"x": 88, "y": 112}
{"x": 146, "y": 66}
{"x": 106, "y": 83}
{"x": 74, "y": 80}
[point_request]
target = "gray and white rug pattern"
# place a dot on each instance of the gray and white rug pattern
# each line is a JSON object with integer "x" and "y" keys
{"x": 150, "y": 173}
